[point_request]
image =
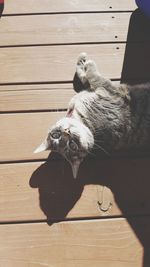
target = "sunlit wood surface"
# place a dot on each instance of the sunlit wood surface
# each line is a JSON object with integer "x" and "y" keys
{"x": 46, "y": 217}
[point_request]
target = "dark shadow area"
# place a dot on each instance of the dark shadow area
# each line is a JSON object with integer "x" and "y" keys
{"x": 136, "y": 65}
{"x": 129, "y": 180}
{"x": 1, "y": 7}
{"x": 78, "y": 85}
{"x": 58, "y": 191}
{"x": 136, "y": 69}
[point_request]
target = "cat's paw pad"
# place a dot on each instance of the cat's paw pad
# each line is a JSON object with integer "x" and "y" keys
{"x": 82, "y": 59}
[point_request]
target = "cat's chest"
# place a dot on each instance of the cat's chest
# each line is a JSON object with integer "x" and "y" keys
{"x": 80, "y": 102}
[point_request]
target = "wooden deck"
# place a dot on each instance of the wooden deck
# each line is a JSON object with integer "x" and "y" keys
{"x": 46, "y": 218}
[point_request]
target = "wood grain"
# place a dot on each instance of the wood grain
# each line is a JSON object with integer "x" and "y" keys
{"x": 52, "y": 6}
{"x": 97, "y": 243}
{"x": 71, "y": 28}
{"x": 26, "y": 64}
{"x": 22, "y": 133}
{"x": 57, "y": 63}
{"x": 41, "y": 191}
{"x": 54, "y": 99}
{"x": 29, "y": 97}
{"x": 34, "y": 77}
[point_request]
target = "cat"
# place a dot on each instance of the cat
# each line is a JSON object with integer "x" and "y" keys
{"x": 110, "y": 117}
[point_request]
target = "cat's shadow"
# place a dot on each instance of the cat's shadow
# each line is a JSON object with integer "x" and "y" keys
{"x": 127, "y": 179}
{"x": 59, "y": 191}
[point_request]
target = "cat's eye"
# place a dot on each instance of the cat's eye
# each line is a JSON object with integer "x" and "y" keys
{"x": 56, "y": 135}
{"x": 73, "y": 146}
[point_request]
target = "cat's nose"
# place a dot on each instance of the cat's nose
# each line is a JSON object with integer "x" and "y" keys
{"x": 67, "y": 131}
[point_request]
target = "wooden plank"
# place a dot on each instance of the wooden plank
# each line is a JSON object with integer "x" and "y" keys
{"x": 39, "y": 86}
{"x": 22, "y": 133}
{"x": 35, "y": 100}
{"x": 52, "y": 6}
{"x": 56, "y": 63}
{"x": 36, "y": 97}
{"x": 55, "y": 195}
{"x": 62, "y": 28}
{"x": 97, "y": 243}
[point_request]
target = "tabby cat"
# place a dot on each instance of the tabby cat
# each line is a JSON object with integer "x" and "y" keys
{"x": 110, "y": 117}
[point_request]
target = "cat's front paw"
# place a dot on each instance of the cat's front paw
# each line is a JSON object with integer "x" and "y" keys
{"x": 90, "y": 68}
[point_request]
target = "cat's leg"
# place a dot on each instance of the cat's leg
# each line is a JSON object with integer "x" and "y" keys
{"x": 80, "y": 68}
{"x": 89, "y": 75}
{"x": 80, "y": 73}
{"x": 94, "y": 78}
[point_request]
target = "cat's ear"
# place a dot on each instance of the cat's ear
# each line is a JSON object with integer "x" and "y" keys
{"x": 43, "y": 147}
{"x": 75, "y": 168}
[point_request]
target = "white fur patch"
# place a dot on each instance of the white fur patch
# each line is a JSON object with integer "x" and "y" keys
{"x": 78, "y": 128}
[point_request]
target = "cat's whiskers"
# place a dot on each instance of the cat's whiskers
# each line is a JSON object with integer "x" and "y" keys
{"x": 91, "y": 153}
{"x": 106, "y": 152}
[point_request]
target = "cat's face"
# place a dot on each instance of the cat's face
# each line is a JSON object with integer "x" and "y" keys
{"x": 70, "y": 138}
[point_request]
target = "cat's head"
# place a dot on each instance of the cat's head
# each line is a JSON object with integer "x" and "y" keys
{"x": 72, "y": 139}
